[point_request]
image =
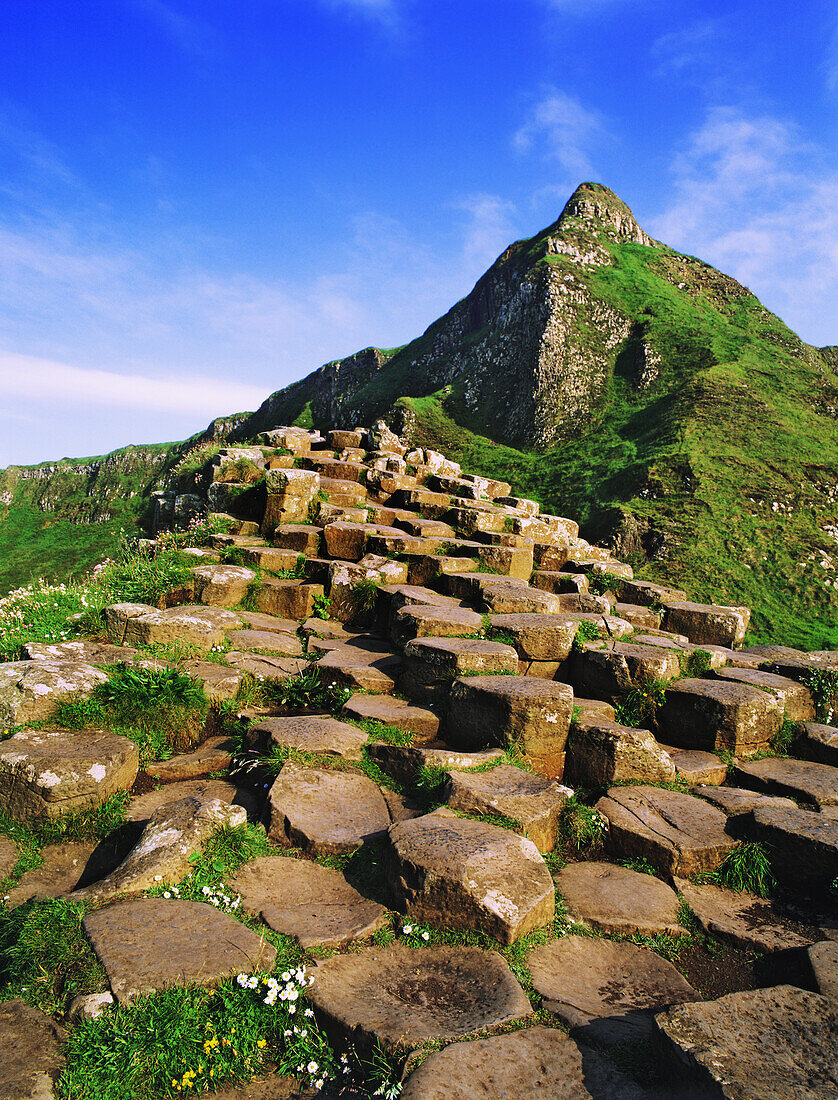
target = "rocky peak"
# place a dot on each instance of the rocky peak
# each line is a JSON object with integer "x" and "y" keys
{"x": 597, "y": 208}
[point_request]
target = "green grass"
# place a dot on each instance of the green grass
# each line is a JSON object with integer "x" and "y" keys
{"x": 638, "y": 707}
{"x": 745, "y": 867}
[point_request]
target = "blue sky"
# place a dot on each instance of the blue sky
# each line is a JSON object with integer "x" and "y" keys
{"x": 203, "y": 200}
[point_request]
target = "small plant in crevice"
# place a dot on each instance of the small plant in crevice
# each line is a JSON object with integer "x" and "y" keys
{"x": 254, "y": 591}
{"x": 321, "y": 607}
{"x": 639, "y": 864}
{"x": 587, "y": 631}
{"x": 746, "y": 867}
{"x": 305, "y": 691}
{"x": 600, "y": 583}
{"x": 364, "y": 596}
{"x": 638, "y": 707}
{"x": 823, "y": 686}
{"x": 785, "y": 737}
{"x": 582, "y": 828}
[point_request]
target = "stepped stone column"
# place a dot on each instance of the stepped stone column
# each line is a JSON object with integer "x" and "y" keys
{"x": 290, "y": 494}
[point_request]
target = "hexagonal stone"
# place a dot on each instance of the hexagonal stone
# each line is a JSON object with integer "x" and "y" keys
{"x": 421, "y": 722}
{"x": 431, "y": 664}
{"x": 402, "y": 996}
{"x": 583, "y": 979}
{"x": 222, "y": 585}
{"x": 266, "y": 666}
{"x": 675, "y": 832}
{"x": 707, "y": 623}
{"x": 803, "y": 844}
{"x": 815, "y": 784}
{"x": 325, "y": 812}
{"x": 174, "y": 832}
{"x": 153, "y": 943}
{"x": 412, "y": 621}
{"x": 763, "y": 1044}
{"x": 44, "y": 773}
{"x": 737, "y": 803}
{"x": 504, "y": 710}
{"x": 538, "y": 637}
{"x": 176, "y": 624}
{"x": 611, "y": 668}
{"x": 314, "y": 904}
{"x": 795, "y": 699}
{"x": 611, "y": 898}
{"x": 361, "y": 666}
{"x": 142, "y": 806}
{"x": 532, "y": 1063}
{"x": 86, "y": 651}
{"x": 531, "y": 801}
{"x": 289, "y": 599}
{"x": 33, "y": 1056}
{"x": 303, "y": 538}
{"x": 743, "y": 919}
{"x": 31, "y": 690}
{"x": 600, "y": 752}
{"x": 466, "y": 874}
{"x": 310, "y": 733}
{"x": 721, "y": 715}
{"x": 505, "y": 598}
{"x": 213, "y": 755}
{"x": 696, "y": 766}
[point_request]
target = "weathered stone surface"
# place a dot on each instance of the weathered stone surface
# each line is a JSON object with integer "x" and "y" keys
{"x": 707, "y": 623}
{"x": 314, "y": 904}
{"x": 696, "y": 766}
{"x": 821, "y": 971}
{"x": 539, "y": 637}
{"x": 176, "y": 624}
{"x": 222, "y": 585}
{"x": 647, "y": 594}
{"x": 610, "y": 668}
{"x": 62, "y": 868}
{"x": 433, "y": 622}
{"x": 432, "y": 664}
{"x": 814, "y": 784}
{"x": 803, "y": 844}
{"x": 538, "y": 1063}
{"x": 290, "y": 599}
{"x": 795, "y": 699}
{"x": 507, "y": 598}
{"x": 265, "y": 666}
{"x": 8, "y": 856}
{"x": 404, "y": 996}
{"x": 117, "y": 616}
{"x": 508, "y": 561}
{"x": 266, "y": 641}
{"x": 402, "y": 762}
{"x": 467, "y": 874}
{"x": 600, "y": 752}
{"x": 310, "y": 733}
{"x": 44, "y": 773}
{"x": 31, "y": 690}
{"x": 818, "y": 743}
{"x": 325, "y": 812}
{"x": 33, "y": 1058}
{"x": 303, "y": 538}
{"x": 743, "y": 919}
{"x": 763, "y": 1044}
{"x": 142, "y": 806}
{"x": 677, "y": 833}
{"x": 290, "y": 494}
{"x": 502, "y": 710}
{"x": 86, "y": 651}
{"x": 720, "y": 715}
{"x": 214, "y": 755}
{"x": 736, "y": 802}
{"x": 421, "y": 722}
{"x": 583, "y": 979}
{"x": 361, "y": 666}
{"x": 533, "y": 802}
{"x": 611, "y": 898}
{"x": 153, "y": 943}
{"x": 174, "y": 832}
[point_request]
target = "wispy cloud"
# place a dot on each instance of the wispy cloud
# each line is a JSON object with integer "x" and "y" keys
{"x": 689, "y": 48}
{"x": 28, "y": 377}
{"x": 755, "y": 199}
{"x": 564, "y": 130}
{"x": 191, "y": 35}
{"x": 388, "y": 14}
{"x": 831, "y": 66}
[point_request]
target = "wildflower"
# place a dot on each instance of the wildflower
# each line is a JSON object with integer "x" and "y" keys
{"x": 408, "y": 928}
{"x": 426, "y": 935}
{"x": 312, "y": 1067}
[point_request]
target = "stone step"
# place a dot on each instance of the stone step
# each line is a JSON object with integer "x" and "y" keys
{"x": 738, "y": 802}
{"x": 325, "y": 812}
{"x": 600, "y": 753}
{"x": 795, "y": 699}
{"x": 697, "y": 767}
{"x": 289, "y": 599}
{"x": 302, "y": 538}
{"x": 309, "y": 733}
{"x": 613, "y": 899}
{"x": 532, "y": 714}
{"x": 392, "y": 711}
{"x": 468, "y": 875}
{"x": 818, "y": 743}
{"x": 803, "y": 844}
{"x": 611, "y": 668}
{"x": 414, "y": 621}
{"x": 814, "y": 784}
{"x": 404, "y": 762}
{"x": 707, "y": 623}
{"x": 432, "y": 664}
{"x": 360, "y": 667}
{"x": 538, "y": 637}
{"x": 534, "y": 803}
{"x": 719, "y": 715}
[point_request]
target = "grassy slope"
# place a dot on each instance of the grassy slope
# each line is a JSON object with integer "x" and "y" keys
{"x": 730, "y": 430}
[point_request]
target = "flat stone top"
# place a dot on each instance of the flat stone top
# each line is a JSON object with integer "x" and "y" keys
{"x": 582, "y": 978}
{"x": 66, "y": 763}
{"x": 440, "y": 613}
{"x": 508, "y": 782}
{"x": 737, "y": 800}
{"x": 616, "y": 899}
{"x": 455, "y": 646}
{"x": 271, "y": 640}
{"x": 314, "y": 734}
{"x": 223, "y": 574}
{"x": 518, "y": 687}
{"x": 708, "y": 608}
{"x": 256, "y": 620}
{"x": 725, "y": 692}
{"x": 678, "y": 818}
{"x": 152, "y": 943}
{"x": 764, "y": 1044}
{"x": 404, "y": 995}
{"x": 533, "y": 620}
{"x": 816, "y": 783}
{"x": 760, "y": 679}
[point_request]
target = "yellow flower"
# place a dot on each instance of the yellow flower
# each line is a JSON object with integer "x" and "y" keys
{"x": 261, "y": 1043}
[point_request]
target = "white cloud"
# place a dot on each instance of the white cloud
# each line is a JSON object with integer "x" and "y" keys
{"x": 756, "y": 200}
{"x": 564, "y": 130}
{"x": 26, "y": 377}
{"x": 387, "y": 13}
{"x": 189, "y": 34}
{"x": 690, "y": 51}
{"x": 832, "y": 61}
